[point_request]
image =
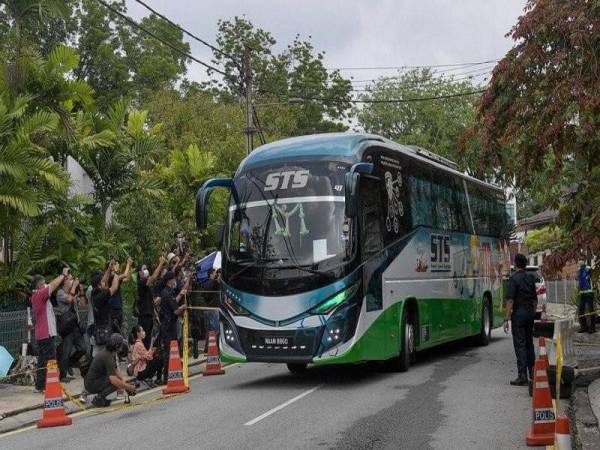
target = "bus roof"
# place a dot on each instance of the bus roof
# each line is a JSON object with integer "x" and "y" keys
{"x": 343, "y": 147}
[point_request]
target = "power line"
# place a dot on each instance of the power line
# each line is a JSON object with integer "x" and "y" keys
{"x": 183, "y": 30}
{"x": 395, "y": 100}
{"x": 162, "y": 41}
{"x": 443, "y": 73}
{"x": 415, "y": 67}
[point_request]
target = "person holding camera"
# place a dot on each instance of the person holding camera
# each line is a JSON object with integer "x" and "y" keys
{"x": 116, "y": 301}
{"x": 45, "y": 323}
{"x": 72, "y": 347}
{"x": 103, "y": 377}
{"x": 100, "y": 297}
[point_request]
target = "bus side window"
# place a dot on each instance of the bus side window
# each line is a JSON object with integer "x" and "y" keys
{"x": 370, "y": 202}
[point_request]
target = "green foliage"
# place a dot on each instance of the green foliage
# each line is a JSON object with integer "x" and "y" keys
{"x": 434, "y": 125}
{"x": 539, "y": 118}
{"x": 547, "y": 238}
{"x": 296, "y": 72}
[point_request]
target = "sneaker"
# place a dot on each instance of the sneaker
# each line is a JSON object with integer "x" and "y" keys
{"x": 520, "y": 381}
{"x": 100, "y": 402}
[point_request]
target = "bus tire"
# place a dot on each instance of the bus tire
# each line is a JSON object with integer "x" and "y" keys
{"x": 402, "y": 362}
{"x": 485, "y": 334}
{"x": 297, "y": 367}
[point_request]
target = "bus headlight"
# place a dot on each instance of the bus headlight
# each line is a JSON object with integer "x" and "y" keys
{"x": 334, "y": 301}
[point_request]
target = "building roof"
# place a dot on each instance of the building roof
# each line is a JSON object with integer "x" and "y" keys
{"x": 538, "y": 220}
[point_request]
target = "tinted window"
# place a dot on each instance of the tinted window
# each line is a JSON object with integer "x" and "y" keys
{"x": 371, "y": 230}
{"x": 421, "y": 198}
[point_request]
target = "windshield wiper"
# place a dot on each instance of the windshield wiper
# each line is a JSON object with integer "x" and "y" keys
{"x": 255, "y": 263}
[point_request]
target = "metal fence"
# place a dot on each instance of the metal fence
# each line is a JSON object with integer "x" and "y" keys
{"x": 561, "y": 291}
{"x": 13, "y": 330}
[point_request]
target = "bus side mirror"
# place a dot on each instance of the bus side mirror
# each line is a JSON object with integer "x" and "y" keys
{"x": 219, "y": 235}
{"x": 203, "y": 196}
{"x": 351, "y": 184}
{"x": 351, "y": 196}
{"x": 202, "y": 207}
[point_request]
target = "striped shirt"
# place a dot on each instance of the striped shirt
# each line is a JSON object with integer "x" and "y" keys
{"x": 45, "y": 321}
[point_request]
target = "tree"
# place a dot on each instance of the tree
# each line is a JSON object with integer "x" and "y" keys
{"x": 118, "y": 60}
{"x": 113, "y": 149}
{"x": 540, "y": 116}
{"x": 297, "y": 72}
{"x": 28, "y": 179}
{"x": 436, "y": 125}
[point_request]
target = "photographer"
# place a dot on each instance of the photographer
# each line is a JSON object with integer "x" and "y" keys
{"x": 171, "y": 308}
{"x": 116, "y": 302}
{"x": 103, "y": 378}
{"x": 100, "y": 297}
{"x": 45, "y": 323}
{"x": 68, "y": 326}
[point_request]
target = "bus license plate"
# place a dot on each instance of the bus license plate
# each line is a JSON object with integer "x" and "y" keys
{"x": 269, "y": 340}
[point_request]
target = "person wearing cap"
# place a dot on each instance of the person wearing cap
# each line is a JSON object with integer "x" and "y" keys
{"x": 103, "y": 378}
{"x": 170, "y": 309}
{"x": 45, "y": 323}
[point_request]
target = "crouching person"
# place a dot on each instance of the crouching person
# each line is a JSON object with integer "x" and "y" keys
{"x": 146, "y": 363}
{"x": 103, "y": 378}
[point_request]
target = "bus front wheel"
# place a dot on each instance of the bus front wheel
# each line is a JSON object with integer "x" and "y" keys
{"x": 297, "y": 367}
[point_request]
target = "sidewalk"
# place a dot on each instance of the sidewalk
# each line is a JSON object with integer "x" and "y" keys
{"x": 584, "y": 405}
{"x": 21, "y": 405}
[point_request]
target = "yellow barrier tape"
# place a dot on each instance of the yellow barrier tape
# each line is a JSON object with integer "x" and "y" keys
{"x": 559, "y": 365}
{"x": 590, "y": 313}
{"x": 186, "y": 345}
{"x": 73, "y": 399}
{"x": 132, "y": 405}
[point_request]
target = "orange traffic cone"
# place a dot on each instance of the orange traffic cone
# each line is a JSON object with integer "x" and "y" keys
{"x": 542, "y": 428}
{"x": 54, "y": 414}
{"x": 543, "y": 353}
{"x": 213, "y": 361}
{"x": 175, "y": 383}
{"x": 563, "y": 434}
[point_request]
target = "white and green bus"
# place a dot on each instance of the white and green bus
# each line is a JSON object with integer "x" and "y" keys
{"x": 343, "y": 248}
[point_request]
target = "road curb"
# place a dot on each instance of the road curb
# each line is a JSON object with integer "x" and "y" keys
{"x": 586, "y": 431}
{"x": 17, "y": 412}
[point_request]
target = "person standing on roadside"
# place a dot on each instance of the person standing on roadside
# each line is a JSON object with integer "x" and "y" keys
{"x": 171, "y": 307}
{"x": 45, "y": 323}
{"x": 100, "y": 297}
{"x": 520, "y": 310}
{"x": 68, "y": 327}
{"x": 145, "y": 306}
{"x": 586, "y": 299}
{"x": 116, "y": 301}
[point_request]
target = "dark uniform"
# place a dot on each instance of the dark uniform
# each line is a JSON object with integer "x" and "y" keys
{"x": 522, "y": 291}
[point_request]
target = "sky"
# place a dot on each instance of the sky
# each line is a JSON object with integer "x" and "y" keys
{"x": 361, "y": 33}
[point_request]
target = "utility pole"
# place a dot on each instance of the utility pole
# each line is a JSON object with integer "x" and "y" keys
{"x": 249, "y": 108}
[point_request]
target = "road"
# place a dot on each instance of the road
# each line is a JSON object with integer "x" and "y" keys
{"x": 455, "y": 397}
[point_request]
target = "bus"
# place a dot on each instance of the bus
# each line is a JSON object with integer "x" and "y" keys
{"x": 345, "y": 248}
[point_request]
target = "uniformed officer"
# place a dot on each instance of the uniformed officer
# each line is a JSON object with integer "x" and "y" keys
{"x": 520, "y": 310}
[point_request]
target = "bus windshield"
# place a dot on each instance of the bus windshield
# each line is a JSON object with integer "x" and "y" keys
{"x": 288, "y": 232}
{"x": 289, "y": 215}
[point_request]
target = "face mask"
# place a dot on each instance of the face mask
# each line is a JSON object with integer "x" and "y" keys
{"x": 146, "y": 273}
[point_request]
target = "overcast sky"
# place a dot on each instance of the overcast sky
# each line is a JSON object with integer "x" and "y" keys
{"x": 360, "y": 32}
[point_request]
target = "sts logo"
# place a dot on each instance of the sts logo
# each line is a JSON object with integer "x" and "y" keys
{"x": 281, "y": 180}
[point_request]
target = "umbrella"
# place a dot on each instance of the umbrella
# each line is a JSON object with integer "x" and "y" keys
{"x": 5, "y": 361}
{"x": 210, "y": 261}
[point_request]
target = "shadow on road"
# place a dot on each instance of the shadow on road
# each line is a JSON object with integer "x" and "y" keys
{"x": 363, "y": 373}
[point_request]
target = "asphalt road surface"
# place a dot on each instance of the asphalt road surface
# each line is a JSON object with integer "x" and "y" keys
{"x": 454, "y": 397}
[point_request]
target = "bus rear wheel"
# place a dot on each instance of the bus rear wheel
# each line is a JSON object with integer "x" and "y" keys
{"x": 297, "y": 367}
{"x": 485, "y": 334}
{"x": 402, "y": 362}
